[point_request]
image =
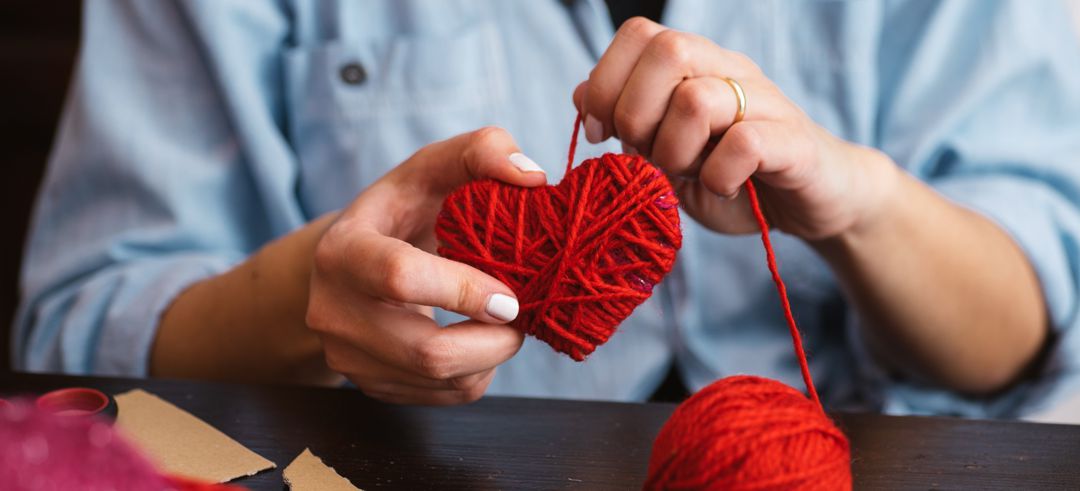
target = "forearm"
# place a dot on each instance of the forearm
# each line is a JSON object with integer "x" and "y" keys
{"x": 944, "y": 293}
{"x": 247, "y": 324}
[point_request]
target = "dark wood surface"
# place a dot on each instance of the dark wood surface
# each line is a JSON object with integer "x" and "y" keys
{"x": 510, "y": 443}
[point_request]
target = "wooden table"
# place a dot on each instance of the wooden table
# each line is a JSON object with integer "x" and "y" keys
{"x": 511, "y": 443}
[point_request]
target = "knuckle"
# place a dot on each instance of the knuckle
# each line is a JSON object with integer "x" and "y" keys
{"x": 326, "y": 252}
{"x": 488, "y": 136}
{"x": 398, "y": 277}
{"x": 472, "y": 394}
{"x": 804, "y": 149}
{"x": 719, "y": 186}
{"x": 316, "y": 317}
{"x": 636, "y": 28}
{"x": 479, "y": 388}
{"x": 743, "y": 140}
{"x": 671, "y": 46}
{"x": 718, "y": 183}
{"x": 743, "y": 60}
{"x": 435, "y": 359}
{"x": 595, "y": 93}
{"x": 424, "y": 153}
{"x": 629, "y": 124}
{"x": 469, "y": 296}
{"x": 463, "y": 383}
{"x": 692, "y": 99}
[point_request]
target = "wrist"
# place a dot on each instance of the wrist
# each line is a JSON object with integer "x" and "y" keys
{"x": 876, "y": 188}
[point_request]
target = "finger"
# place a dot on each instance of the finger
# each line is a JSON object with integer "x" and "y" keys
{"x": 412, "y": 395}
{"x": 488, "y": 152}
{"x": 771, "y": 150}
{"x": 465, "y": 348}
{"x": 699, "y": 108}
{"x": 397, "y": 271}
{"x": 670, "y": 58}
{"x": 414, "y": 343}
{"x": 729, "y": 216}
{"x": 610, "y": 74}
{"x": 401, "y": 337}
{"x": 369, "y": 372}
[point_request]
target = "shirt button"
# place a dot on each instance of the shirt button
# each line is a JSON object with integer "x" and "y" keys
{"x": 353, "y": 73}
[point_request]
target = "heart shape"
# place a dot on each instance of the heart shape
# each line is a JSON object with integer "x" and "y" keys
{"x": 580, "y": 256}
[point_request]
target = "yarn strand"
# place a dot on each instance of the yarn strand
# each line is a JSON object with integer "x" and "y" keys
{"x": 770, "y": 258}
{"x": 582, "y": 255}
{"x": 573, "y": 143}
{"x": 781, "y": 290}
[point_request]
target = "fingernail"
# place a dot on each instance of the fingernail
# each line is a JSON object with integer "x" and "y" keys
{"x": 523, "y": 163}
{"x": 627, "y": 149}
{"x": 594, "y": 130}
{"x": 502, "y": 307}
{"x": 729, "y": 197}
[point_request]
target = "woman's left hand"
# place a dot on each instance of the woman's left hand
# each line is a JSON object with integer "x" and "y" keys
{"x": 892, "y": 241}
{"x": 663, "y": 93}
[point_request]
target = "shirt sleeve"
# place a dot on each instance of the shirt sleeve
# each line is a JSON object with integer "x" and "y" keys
{"x": 982, "y": 101}
{"x": 151, "y": 184}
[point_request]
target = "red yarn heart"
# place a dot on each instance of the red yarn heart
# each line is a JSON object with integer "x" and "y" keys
{"x": 580, "y": 256}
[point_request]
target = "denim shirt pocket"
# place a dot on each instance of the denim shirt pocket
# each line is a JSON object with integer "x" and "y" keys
{"x": 357, "y": 108}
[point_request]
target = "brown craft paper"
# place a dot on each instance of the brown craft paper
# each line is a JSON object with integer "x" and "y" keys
{"x": 308, "y": 473}
{"x": 182, "y": 444}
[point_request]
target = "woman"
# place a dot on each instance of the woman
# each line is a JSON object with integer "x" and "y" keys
{"x": 918, "y": 160}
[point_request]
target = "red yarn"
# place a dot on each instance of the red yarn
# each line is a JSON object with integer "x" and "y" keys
{"x": 781, "y": 290}
{"x": 746, "y": 432}
{"x": 580, "y": 256}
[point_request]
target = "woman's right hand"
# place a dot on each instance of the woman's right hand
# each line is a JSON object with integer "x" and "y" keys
{"x": 376, "y": 278}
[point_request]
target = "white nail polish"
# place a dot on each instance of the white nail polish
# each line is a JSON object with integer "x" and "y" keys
{"x": 594, "y": 130}
{"x": 523, "y": 163}
{"x": 502, "y": 307}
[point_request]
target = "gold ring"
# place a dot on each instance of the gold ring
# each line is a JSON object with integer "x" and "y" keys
{"x": 740, "y": 97}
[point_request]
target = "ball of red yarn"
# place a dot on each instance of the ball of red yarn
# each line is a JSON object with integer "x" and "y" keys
{"x": 580, "y": 256}
{"x": 745, "y": 432}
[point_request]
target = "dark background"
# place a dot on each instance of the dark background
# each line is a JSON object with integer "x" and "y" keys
{"x": 38, "y": 45}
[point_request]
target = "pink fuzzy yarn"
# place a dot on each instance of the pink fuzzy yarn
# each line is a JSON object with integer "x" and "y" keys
{"x": 41, "y": 451}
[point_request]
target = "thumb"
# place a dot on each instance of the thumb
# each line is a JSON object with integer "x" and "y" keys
{"x": 401, "y": 203}
{"x": 488, "y": 152}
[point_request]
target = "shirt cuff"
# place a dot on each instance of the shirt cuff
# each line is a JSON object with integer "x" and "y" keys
{"x": 106, "y": 325}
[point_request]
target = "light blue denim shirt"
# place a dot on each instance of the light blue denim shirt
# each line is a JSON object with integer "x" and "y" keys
{"x": 196, "y": 131}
